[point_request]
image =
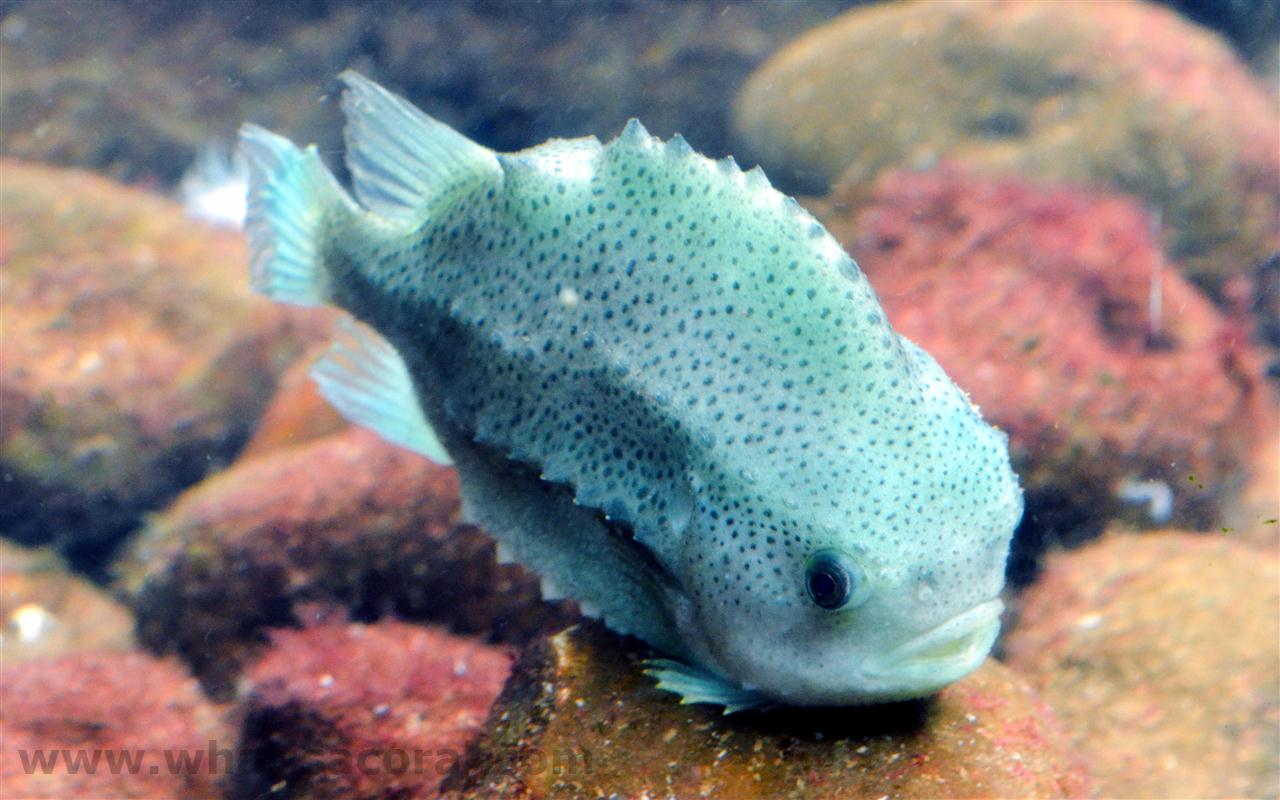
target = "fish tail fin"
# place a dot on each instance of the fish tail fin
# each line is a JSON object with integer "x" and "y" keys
{"x": 293, "y": 202}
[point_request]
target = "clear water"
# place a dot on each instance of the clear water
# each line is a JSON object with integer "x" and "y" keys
{"x": 1103, "y": 190}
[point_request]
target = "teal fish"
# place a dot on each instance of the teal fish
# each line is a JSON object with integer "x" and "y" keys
{"x": 665, "y": 387}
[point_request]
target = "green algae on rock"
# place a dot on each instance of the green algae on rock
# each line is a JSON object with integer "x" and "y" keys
{"x": 134, "y": 358}
{"x": 1160, "y": 653}
{"x": 1121, "y": 95}
{"x": 578, "y": 719}
{"x": 345, "y": 520}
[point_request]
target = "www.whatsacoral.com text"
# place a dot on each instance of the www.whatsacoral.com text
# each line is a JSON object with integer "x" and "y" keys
{"x": 215, "y": 760}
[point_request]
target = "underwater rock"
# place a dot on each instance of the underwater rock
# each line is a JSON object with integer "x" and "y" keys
{"x": 1263, "y": 300}
{"x": 1254, "y": 516}
{"x": 578, "y": 718}
{"x": 135, "y": 357}
{"x": 1160, "y": 653}
{"x": 47, "y": 611}
{"x": 347, "y": 520}
{"x": 148, "y": 86}
{"x": 1254, "y": 28}
{"x": 1122, "y": 95}
{"x": 297, "y": 414}
{"x": 1055, "y": 309}
{"x": 363, "y": 711}
{"x": 135, "y": 727}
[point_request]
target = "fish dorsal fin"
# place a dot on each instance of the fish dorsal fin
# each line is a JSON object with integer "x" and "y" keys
{"x": 364, "y": 377}
{"x": 635, "y": 142}
{"x": 569, "y": 159}
{"x": 398, "y": 156}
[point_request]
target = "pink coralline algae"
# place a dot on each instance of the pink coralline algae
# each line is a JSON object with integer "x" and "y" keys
{"x": 133, "y": 726}
{"x": 347, "y": 519}
{"x": 364, "y": 711}
{"x": 1056, "y": 310}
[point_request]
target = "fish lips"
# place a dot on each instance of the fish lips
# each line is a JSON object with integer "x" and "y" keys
{"x": 942, "y": 654}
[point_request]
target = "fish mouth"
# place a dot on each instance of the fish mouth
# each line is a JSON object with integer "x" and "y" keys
{"x": 942, "y": 654}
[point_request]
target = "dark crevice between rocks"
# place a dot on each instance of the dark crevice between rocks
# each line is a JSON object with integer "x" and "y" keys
{"x": 270, "y": 764}
{"x": 1264, "y": 307}
{"x": 89, "y": 529}
{"x": 1053, "y": 519}
{"x": 196, "y": 629}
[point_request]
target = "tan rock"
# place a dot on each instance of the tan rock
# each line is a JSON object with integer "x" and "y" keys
{"x": 1161, "y": 653}
{"x": 47, "y": 611}
{"x": 578, "y": 718}
{"x": 134, "y": 360}
{"x": 1120, "y": 94}
{"x": 297, "y": 414}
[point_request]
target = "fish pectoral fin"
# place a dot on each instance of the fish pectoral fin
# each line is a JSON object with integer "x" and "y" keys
{"x": 696, "y": 685}
{"x": 364, "y": 377}
{"x": 398, "y": 156}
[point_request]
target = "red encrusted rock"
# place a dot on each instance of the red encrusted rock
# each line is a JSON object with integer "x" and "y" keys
{"x": 134, "y": 359}
{"x": 1160, "y": 652}
{"x": 363, "y": 711}
{"x": 1038, "y": 303}
{"x": 137, "y": 727}
{"x": 580, "y": 719}
{"x": 348, "y": 520}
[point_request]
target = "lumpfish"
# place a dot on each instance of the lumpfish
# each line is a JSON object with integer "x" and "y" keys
{"x": 665, "y": 387}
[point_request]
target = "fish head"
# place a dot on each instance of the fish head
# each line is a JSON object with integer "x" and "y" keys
{"x": 891, "y": 592}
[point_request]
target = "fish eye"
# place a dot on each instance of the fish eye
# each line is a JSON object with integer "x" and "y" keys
{"x": 832, "y": 579}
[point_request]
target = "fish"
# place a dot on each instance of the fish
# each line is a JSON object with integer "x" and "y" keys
{"x": 665, "y": 387}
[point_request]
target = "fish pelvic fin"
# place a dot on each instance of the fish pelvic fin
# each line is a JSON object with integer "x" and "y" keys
{"x": 293, "y": 203}
{"x": 696, "y": 685}
{"x": 400, "y": 158}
